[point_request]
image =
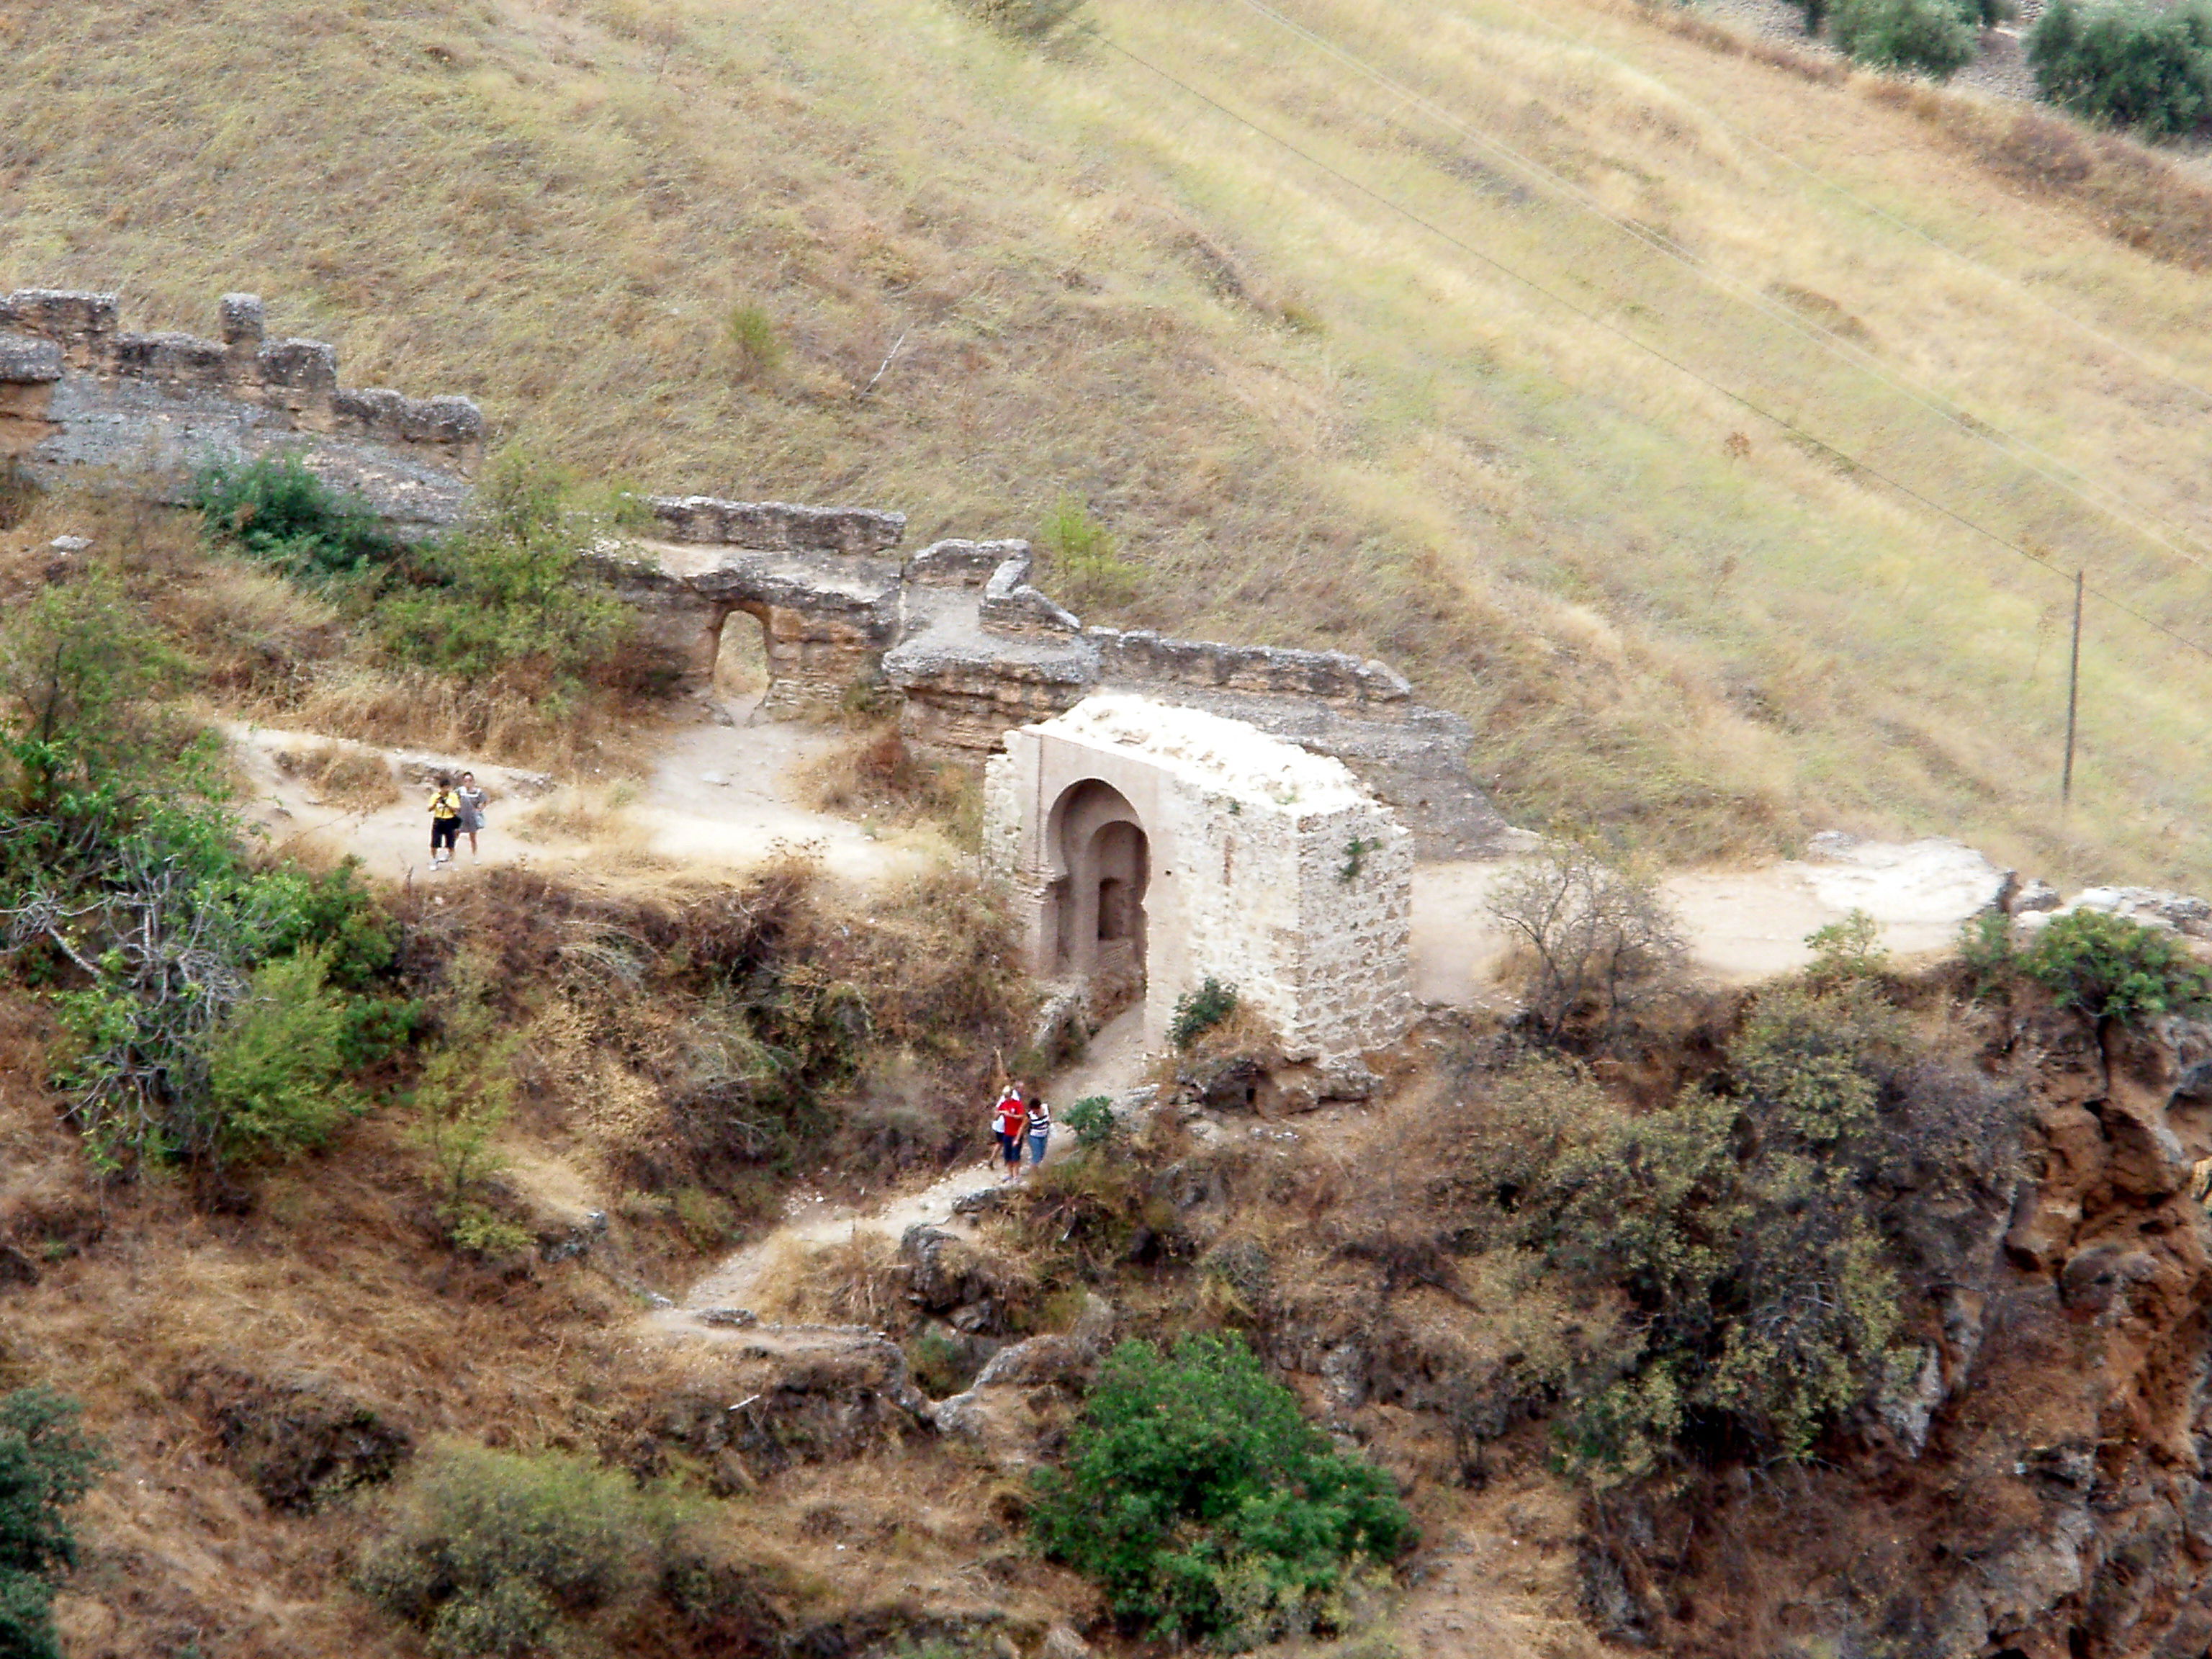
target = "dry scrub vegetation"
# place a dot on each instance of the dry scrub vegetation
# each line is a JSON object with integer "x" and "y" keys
{"x": 682, "y": 241}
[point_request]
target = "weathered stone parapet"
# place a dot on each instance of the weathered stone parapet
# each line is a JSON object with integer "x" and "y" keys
{"x": 1010, "y": 605}
{"x": 153, "y": 408}
{"x": 960, "y": 709}
{"x": 777, "y": 526}
{"x": 962, "y": 564}
{"x": 1143, "y": 658}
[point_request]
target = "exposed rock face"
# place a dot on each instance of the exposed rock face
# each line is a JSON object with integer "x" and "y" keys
{"x": 79, "y": 394}
{"x": 299, "y": 1441}
{"x": 2032, "y": 1480}
{"x": 762, "y": 1398}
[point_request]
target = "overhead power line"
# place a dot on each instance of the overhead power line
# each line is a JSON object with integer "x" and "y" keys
{"x": 1597, "y": 320}
{"x": 2092, "y": 492}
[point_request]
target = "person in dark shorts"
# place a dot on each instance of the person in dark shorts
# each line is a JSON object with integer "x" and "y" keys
{"x": 1009, "y": 1120}
{"x": 445, "y": 821}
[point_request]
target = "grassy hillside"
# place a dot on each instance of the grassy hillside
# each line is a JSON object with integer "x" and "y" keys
{"x": 1309, "y": 419}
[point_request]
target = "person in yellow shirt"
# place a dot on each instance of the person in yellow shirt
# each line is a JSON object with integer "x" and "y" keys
{"x": 445, "y": 820}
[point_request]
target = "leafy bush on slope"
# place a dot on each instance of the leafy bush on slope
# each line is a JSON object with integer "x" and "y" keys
{"x": 1935, "y": 37}
{"x": 47, "y": 1464}
{"x": 1207, "y": 1506}
{"x": 2131, "y": 66}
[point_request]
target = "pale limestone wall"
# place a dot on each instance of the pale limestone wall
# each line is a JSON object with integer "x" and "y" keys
{"x": 1252, "y": 877}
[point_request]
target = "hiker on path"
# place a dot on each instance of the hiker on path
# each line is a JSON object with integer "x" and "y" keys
{"x": 1009, "y": 1120}
{"x": 1040, "y": 1130}
{"x": 445, "y": 820}
{"x": 473, "y": 806}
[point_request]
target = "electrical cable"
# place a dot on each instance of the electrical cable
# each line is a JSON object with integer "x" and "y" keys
{"x": 1612, "y": 328}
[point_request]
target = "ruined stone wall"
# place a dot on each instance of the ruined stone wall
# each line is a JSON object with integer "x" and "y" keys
{"x": 1273, "y": 903}
{"x": 972, "y": 649}
{"x": 81, "y": 395}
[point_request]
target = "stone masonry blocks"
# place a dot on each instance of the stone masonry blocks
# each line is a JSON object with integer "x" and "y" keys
{"x": 1264, "y": 866}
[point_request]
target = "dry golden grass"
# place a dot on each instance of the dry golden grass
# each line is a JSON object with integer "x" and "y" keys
{"x": 1660, "y": 614}
{"x": 855, "y": 1280}
{"x": 358, "y": 780}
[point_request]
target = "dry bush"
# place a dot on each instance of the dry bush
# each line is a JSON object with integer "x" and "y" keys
{"x": 359, "y": 781}
{"x": 855, "y": 1280}
{"x": 875, "y": 776}
{"x": 1593, "y": 941}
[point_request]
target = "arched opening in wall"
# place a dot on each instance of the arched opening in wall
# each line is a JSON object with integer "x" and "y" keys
{"x": 741, "y": 669}
{"x": 1103, "y": 858}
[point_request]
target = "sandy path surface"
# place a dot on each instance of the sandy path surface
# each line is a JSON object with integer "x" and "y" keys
{"x": 1741, "y": 926}
{"x": 719, "y": 798}
{"x": 1112, "y": 1063}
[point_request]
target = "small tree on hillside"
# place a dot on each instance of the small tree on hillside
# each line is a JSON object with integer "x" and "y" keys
{"x": 1932, "y": 37}
{"x": 1597, "y": 937}
{"x": 2127, "y": 64}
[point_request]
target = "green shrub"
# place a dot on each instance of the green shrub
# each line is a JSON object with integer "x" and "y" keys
{"x": 485, "y": 1551}
{"x": 1085, "y": 559}
{"x": 278, "y": 511}
{"x": 275, "y": 1061}
{"x": 1934, "y": 37}
{"x": 2129, "y": 64}
{"x": 1205, "y": 1505}
{"x": 1738, "y": 1228}
{"x": 47, "y": 1464}
{"x": 466, "y": 1090}
{"x": 754, "y": 342}
{"x": 1197, "y": 1013}
{"x": 2112, "y": 969}
{"x": 1985, "y": 946}
{"x": 78, "y": 664}
{"x": 1847, "y": 950}
{"x": 1091, "y": 1118}
{"x": 512, "y": 587}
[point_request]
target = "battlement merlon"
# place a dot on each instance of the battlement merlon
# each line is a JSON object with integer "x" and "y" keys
{"x": 294, "y": 382}
{"x": 777, "y": 526}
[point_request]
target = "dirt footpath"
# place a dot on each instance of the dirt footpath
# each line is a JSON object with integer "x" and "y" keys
{"x": 1741, "y": 926}
{"x": 719, "y": 799}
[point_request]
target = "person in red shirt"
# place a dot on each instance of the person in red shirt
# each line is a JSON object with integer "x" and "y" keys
{"x": 1010, "y": 1122}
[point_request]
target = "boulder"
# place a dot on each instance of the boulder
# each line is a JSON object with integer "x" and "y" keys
{"x": 299, "y": 1440}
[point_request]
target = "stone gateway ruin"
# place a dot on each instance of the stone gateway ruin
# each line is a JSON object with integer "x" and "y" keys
{"x": 1166, "y": 810}
{"x": 1150, "y": 848}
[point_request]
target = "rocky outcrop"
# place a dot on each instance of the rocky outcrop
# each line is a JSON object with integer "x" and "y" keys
{"x": 2032, "y": 1480}
{"x": 80, "y": 396}
{"x": 756, "y": 1400}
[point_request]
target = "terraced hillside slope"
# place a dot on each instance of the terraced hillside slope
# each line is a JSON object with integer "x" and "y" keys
{"x": 1646, "y": 400}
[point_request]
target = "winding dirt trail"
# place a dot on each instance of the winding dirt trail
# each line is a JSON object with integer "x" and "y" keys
{"x": 1110, "y": 1065}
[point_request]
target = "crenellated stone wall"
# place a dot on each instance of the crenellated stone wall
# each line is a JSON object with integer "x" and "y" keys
{"x": 81, "y": 395}
{"x": 973, "y": 649}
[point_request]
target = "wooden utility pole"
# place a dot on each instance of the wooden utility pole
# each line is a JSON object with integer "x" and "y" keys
{"x": 2073, "y": 701}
